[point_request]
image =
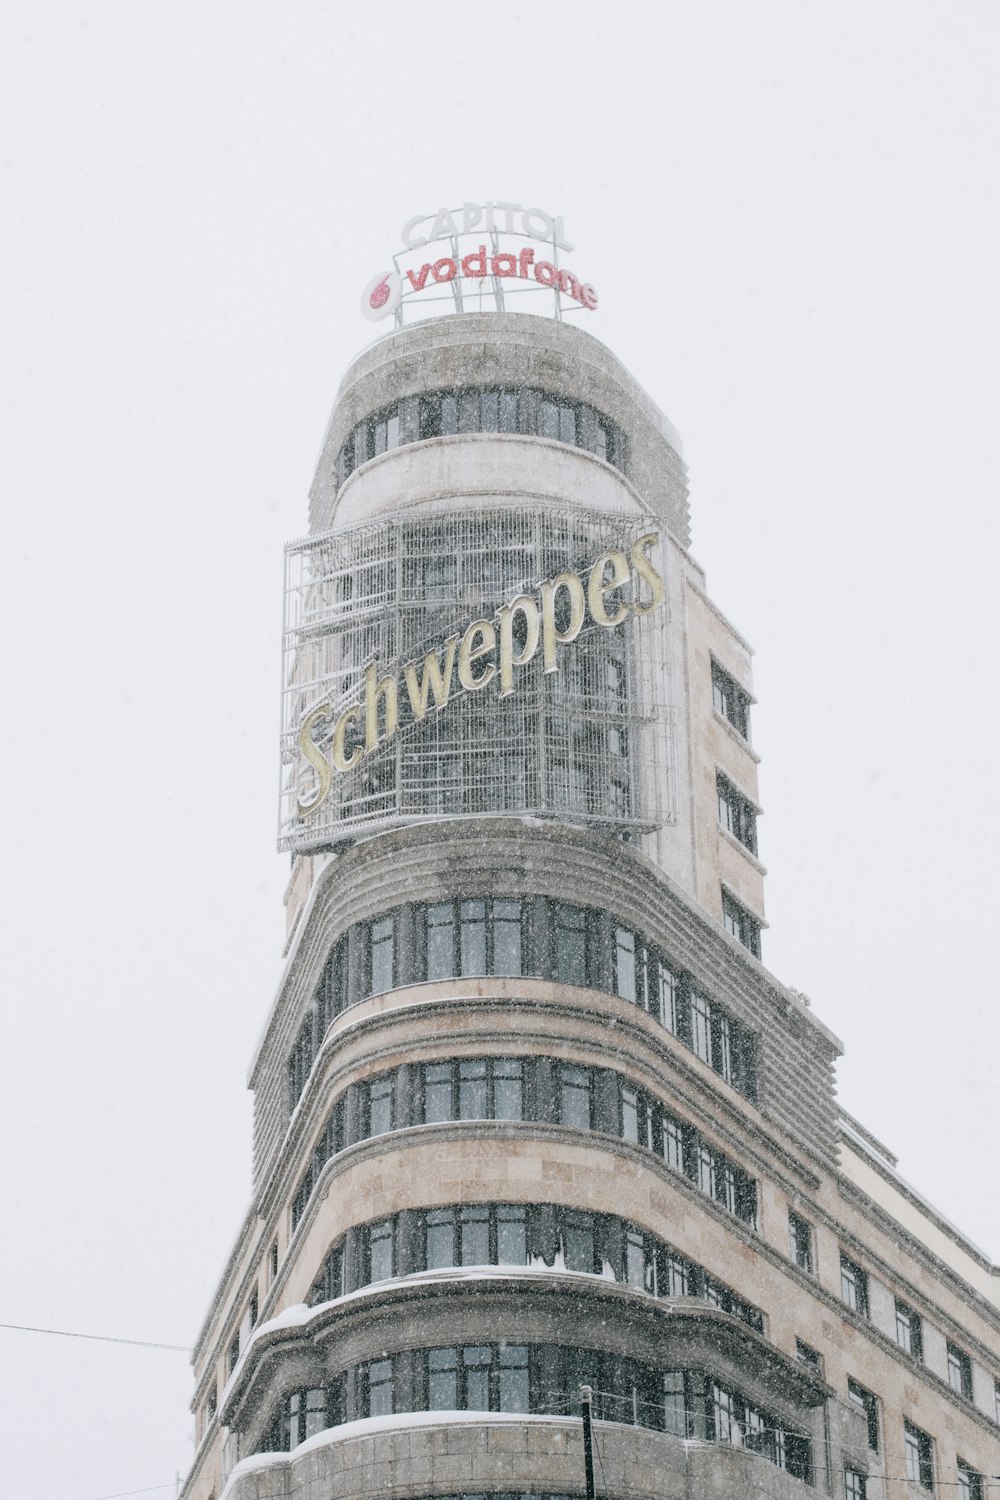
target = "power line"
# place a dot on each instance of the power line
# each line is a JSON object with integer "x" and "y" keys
{"x": 120, "y": 1494}
{"x": 103, "y": 1338}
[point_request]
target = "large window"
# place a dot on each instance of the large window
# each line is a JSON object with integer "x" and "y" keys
{"x": 476, "y": 1234}
{"x": 493, "y": 936}
{"x": 731, "y": 701}
{"x": 855, "y": 1484}
{"x": 970, "y": 1483}
{"x": 643, "y": 977}
{"x": 909, "y": 1332}
{"x": 737, "y": 814}
{"x": 868, "y": 1404}
{"x": 919, "y": 1452}
{"x": 800, "y": 1242}
{"x": 569, "y": 944}
{"x": 521, "y": 409}
{"x": 740, "y": 923}
{"x": 532, "y": 1378}
{"x": 481, "y": 1088}
{"x": 478, "y": 1377}
{"x": 854, "y": 1286}
{"x": 474, "y": 937}
{"x": 959, "y": 1371}
{"x": 501, "y": 1088}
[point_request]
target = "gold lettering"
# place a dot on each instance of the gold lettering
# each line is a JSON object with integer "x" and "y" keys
{"x": 341, "y": 761}
{"x": 528, "y": 609}
{"x": 645, "y": 570}
{"x": 597, "y": 588}
{"x": 469, "y": 653}
{"x": 433, "y": 680}
{"x": 551, "y": 636}
{"x": 310, "y": 751}
{"x": 375, "y": 688}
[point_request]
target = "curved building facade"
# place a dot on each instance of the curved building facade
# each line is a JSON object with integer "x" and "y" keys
{"x": 530, "y": 1113}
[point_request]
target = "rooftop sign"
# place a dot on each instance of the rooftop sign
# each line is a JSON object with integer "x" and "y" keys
{"x": 485, "y": 267}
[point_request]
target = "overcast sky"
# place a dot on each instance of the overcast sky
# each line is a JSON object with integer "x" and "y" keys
{"x": 790, "y": 213}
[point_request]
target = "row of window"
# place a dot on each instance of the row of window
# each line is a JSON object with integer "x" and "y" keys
{"x": 509, "y": 937}
{"x": 918, "y": 1450}
{"x": 737, "y": 814}
{"x": 540, "y": 1089}
{"x": 909, "y": 1328}
{"x": 532, "y": 1378}
{"x": 516, "y": 1234}
{"x": 525, "y": 410}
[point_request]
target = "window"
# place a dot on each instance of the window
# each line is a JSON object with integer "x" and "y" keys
{"x": 376, "y": 1388}
{"x": 855, "y": 1485}
{"x": 233, "y": 1356}
{"x": 909, "y": 1333}
{"x": 574, "y": 1096}
{"x": 380, "y": 1111}
{"x": 644, "y": 978}
{"x": 959, "y": 1371}
{"x": 381, "y": 1251}
{"x": 739, "y": 923}
{"x": 482, "y": 1088}
{"x": 478, "y": 1377}
{"x": 579, "y": 1242}
{"x": 637, "y": 1117}
{"x": 919, "y": 1452}
{"x": 800, "y": 1242}
{"x": 272, "y": 1262}
{"x": 731, "y": 701}
{"x": 807, "y": 1356}
{"x": 569, "y": 940}
{"x": 474, "y": 937}
{"x": 853, "y": 1286}
{"x": 304, "y": 1413}
{"x": 869, "y": 1405}
{"x": 254, "y": 1309}
{"x": 970, "y": 1484}
{"x": 329, "y": 1284}
{"x": 737, "y": 814}
{"x": 382, "y": 955}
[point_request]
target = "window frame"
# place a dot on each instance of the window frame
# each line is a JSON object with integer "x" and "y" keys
{"x": 855, "y": 1278}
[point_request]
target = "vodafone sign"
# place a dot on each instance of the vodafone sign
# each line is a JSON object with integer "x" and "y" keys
{"x": 485, "y": 262}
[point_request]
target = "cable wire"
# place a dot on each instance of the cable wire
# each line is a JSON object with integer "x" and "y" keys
{"x": 102, "y": 1338}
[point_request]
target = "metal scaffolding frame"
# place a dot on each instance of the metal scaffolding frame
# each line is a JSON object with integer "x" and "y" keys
{"x": 589, "y": 743}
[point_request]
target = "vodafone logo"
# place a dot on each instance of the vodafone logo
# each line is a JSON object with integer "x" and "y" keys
{"x": 380, "y": 296}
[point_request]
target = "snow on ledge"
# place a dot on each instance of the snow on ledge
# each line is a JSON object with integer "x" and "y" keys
{"x": 256, "y": 1462}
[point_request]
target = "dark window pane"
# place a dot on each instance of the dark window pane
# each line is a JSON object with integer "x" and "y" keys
{"x": 507, "y": 937}
{"x": 625, "y": 963}
{"x": 512, "y": 1381}
{"x": 380, "y": 1105}
{"x": 512, "y": 1234}
{"x": 380, "y": 1250}
{"x": 442, "y": 1379}
{"x": 382, "y": 955}
{"x": 472, "y": 1090}
{"x": 574, "y": 1096}
{"x": 473, "y": 937}
{"x": 578, "y": 1242}
{"x": 440, "y": 1238}
{"x": 570, "y": 944}
{"x": 475, "y": 1231}
{"x": 508, "y": 1088}
{"x": 440, "y": 941}
{"x": 548, "y": 419}
{"x": 437, "y": 1092}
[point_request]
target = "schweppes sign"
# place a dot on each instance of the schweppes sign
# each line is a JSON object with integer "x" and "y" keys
{"x": 490, "y": 653}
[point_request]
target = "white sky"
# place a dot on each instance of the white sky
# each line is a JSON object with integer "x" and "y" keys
{"x": 789, "y": 211}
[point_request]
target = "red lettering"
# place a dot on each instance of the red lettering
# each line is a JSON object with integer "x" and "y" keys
{"x": 477, "y": 255}
{"x": 588, "y": 296}
{"x": 444, "y": 269}
{"x": 551, "y": 274}
{"x": 567, "y": 282}
{"x": 417, "y": 282}
{"x": 504, "y": 264}
{"x": 524, "y": 260}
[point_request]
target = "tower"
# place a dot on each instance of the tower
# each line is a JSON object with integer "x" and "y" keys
{"x": 530, "y": 1112}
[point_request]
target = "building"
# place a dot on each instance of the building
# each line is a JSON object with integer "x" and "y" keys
{"x": 530, "y": 1112}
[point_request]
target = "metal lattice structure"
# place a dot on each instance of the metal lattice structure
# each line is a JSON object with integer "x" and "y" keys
{"x": 588, "y": 743}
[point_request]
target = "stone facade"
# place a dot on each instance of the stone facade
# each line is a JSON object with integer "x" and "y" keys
{"x": 646, "y": 1108}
